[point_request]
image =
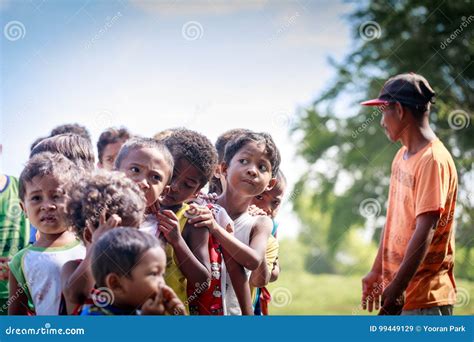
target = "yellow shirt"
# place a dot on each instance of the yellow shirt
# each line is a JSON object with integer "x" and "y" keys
{"x": 174, "y": 278}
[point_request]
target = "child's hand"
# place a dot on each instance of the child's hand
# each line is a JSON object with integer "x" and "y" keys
{"x": 201, "y": 216}
{"x": 154, "y": 306}
{"x": 4, "y": 269}
{"x": 172, "y": 303}
{"x": 168, "y": 224}
{"x": 393, "y": 299}
{"x": 210, "y": 197}
{"x": 253, "y": 210}
{"x": 113, "y": 221}
{"x": 371, "y": 291}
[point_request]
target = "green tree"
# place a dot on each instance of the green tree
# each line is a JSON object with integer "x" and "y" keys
{"x": 350, "y": 155}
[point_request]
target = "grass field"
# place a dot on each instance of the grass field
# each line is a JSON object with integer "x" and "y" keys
{"x": 298, "y": 292}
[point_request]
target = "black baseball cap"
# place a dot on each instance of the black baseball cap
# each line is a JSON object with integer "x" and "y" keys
{"x": 409, "y": 89}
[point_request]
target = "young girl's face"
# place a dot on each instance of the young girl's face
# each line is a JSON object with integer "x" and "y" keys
{"x": 146, "y": 279}
{"x": 250, "y": 170}
{"x": 270, "y": 201}
{"x": 148, "y": 168}
{"x": 186, "y": 182}
{"x": 44, "y": 204}
{"x": 109, "y": 155}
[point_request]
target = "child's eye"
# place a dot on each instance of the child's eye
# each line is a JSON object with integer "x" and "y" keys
{"x": 259, "y": 197}
{"x": 35, "y": 198}
{"x": 135, "y": 169}
{"x": 189, "y": 186}
{"x": 263, "y": 168}
{"x": 243, "y": 161}
{"x": 157, "y": 178}
{"x": 276, "y": 203}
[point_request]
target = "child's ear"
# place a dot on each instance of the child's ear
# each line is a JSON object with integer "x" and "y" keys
{"x": 165, "y": 192}
{"x": 114, "y": 283}
{"x": 87, "y": 234}
{"x": 271, "y": 184}
{"x": 23, "y": 207}
{"x": 223, "y": 169}
{"x": 217, "y": 171}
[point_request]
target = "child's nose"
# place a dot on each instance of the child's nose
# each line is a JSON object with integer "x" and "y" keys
{"x": 143, "y": 184}
{"x": 251, "y": 171}
{"x": 48, "y": 205}
{"x": 174, "y": 186}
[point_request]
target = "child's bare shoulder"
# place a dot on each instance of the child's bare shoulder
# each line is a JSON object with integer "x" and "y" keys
{"x": 263, "y": 224}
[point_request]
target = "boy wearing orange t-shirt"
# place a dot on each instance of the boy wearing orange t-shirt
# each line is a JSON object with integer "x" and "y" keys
{"x": 413, "y": 270}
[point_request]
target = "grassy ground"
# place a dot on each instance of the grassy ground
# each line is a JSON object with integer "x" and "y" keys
{"x": 298, "y": 292}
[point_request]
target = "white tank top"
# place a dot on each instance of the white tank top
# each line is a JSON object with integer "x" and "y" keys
{"x": 41, "y": 268}
{"x": 242, "y": 229}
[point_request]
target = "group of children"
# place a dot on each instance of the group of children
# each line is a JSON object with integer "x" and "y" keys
{"x": 137, "y": 234}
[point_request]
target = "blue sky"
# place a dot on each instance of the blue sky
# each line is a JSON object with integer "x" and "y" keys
{"x": 209, "y": 65}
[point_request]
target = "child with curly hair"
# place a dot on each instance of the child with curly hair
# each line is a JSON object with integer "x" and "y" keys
{"x": 97, "y": 202}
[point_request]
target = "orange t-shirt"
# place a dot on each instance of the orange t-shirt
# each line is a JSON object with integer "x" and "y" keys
{"x": 425, "y": 182}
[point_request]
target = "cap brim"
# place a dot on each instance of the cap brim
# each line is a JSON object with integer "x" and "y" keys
{"x": 375, "y": 102}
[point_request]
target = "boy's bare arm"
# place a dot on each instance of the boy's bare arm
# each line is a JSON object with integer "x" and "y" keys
{"x": 416, "y": 252}
{"x": 18, "y": 301}
{"x": 240, "y": 283}
{"x": 275, "y": 271}
{"x": 76, "y": 282}
{"x": 261, "y": 231}
{"x": 371, "y": 283}
{"x": 240, "y": 252}
{"x": 197, "y": 272}
{"x": 198, "y": 242}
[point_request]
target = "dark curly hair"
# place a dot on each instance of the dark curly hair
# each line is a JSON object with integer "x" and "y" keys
{"x": 74, "y": 147}
{"x": 111, "y": 136}
{"x": 46, "y": 164}
{"x": 100, "y": 191}
{"x": 240, "y": 141}
{"x": 195, "y": 148}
